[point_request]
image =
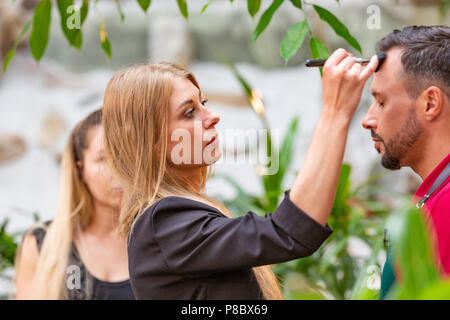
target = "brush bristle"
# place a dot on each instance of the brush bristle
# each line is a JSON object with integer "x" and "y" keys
{"x": 381, "y": 58}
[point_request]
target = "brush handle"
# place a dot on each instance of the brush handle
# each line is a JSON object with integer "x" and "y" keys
{"x": 315, "y": 63}
{"x": 321, "y": 62}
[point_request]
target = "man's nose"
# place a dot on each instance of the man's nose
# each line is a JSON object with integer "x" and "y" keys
{"x": 369, "y": 122}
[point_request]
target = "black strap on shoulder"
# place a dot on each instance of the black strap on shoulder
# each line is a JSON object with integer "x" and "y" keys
{"x": 437, "y": 183}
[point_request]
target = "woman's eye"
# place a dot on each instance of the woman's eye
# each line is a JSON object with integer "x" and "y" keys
{"x": 189, "y": 113}
{"x": 204, "y": 101}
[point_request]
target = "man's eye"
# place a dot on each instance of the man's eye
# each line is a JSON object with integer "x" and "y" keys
{"x": 381, "y": 104}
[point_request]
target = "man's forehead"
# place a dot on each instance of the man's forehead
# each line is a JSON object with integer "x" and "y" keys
{"x": 388, "y": 77}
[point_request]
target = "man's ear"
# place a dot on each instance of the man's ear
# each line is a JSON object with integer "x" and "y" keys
{"x": 432, "y": 99}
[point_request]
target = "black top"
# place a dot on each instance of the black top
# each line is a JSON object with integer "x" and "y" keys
{"x": 89, "y": 287}
{"x": 184, "y": 249}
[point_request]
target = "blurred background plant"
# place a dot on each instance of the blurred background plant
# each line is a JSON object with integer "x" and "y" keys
{"x": 9, "y": 244}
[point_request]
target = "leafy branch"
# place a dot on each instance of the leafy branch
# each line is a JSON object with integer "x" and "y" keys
{"x": 72, "y": 18}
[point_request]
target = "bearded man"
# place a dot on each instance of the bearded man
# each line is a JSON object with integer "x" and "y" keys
{"x": 409, "y": 121}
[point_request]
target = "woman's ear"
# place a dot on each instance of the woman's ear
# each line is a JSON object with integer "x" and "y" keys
{"x": 79, "y": 165}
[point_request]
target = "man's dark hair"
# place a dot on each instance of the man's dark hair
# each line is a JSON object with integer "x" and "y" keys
{"x": 425, "y": 58}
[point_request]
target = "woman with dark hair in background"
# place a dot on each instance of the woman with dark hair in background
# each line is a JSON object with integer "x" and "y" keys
{"x": 79, "y": 254}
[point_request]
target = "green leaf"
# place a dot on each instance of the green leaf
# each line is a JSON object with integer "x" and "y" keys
{"x": 411, "y": 245}
{"x": 119, "y": 8}
{"x": 206, "y": 6}
{"x": 253, "y": 7}
{"x": 69, "y": 22}
{"x": 265, "y": 19}
{"x": 144, "y": 4}
{"x": 287, "y": 148}
{"x": 318, "y": 50}
{"x": 273, "y": 183}
{"x": 41, "y": 28}
{"x": 293, "y": 40}
{"x": 340, "y": 205}
{"x": 438, "y": 291}
{"x": 338, "y": 27}
{"x": 444, "y": 6}
{"x": 297, "y": 3}
{"x": 84, "y": 11}
{"x": 104, "y": 41}
{"x": 11, "y": 53}
{"x": 106, "y": 46}
{"x": 182, "y": 5}
{"x": 244, "y": 83}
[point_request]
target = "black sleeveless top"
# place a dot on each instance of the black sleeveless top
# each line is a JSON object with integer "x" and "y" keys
{"x": 80, "y": 284}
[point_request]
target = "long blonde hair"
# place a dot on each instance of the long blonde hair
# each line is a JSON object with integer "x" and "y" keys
{"x": 135, "y": 124}
{"x": 73, "y": 213}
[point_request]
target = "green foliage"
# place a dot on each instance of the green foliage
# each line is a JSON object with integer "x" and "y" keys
{"x": 144, "y": 4}
{"x": 340, "y": 29}
{"x": 265, "y": 19}
{"x": 318, "y": 50}
{"x": 293, "y": 40}
{"x": 72, "y": 35}
{"x": 11, "y": 53}
{"x": 8, "y": 247}
{"x": 253, "y": 7}
{"x": 104, "y": 41}
{"x": 182, "y": 5}
{"x": 419, "y": 277}
{"x": 41, "y": 28}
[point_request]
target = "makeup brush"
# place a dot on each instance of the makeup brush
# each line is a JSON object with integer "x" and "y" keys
{"x": 364, "y": 61}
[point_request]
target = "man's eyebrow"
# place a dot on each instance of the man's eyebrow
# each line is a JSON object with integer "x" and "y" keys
{"x": 190, "y": 100}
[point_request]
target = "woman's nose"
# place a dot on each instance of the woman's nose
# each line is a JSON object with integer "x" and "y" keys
{"x": 212, "y": 119}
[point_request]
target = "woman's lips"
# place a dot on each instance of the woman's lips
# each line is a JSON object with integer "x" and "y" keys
{"x": 212, "y": 140}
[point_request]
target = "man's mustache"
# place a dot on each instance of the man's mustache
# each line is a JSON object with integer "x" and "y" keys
{"x": 376, "y": 136}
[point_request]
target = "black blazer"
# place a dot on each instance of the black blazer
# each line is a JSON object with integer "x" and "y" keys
{"x": 184, "y": 249}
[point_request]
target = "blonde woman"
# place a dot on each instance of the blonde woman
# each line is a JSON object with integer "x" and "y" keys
{"x": 184, "y": 244}
{"x": 80, "y": 254}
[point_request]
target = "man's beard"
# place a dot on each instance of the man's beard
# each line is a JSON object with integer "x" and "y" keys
{"x": 397, "y": 147}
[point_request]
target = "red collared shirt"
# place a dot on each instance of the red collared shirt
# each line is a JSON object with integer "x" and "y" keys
{"x": 438, "y": 208}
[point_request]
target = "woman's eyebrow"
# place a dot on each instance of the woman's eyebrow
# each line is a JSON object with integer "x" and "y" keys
{"x": 185, "y": 103}
{"x": 190, "y": 100}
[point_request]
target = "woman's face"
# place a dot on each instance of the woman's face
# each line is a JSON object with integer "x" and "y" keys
{"x": 191, "y": 128}
{"x": 96, "y": 173}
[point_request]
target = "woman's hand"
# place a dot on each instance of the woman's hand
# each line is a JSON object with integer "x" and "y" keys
{"x": 342, "y": 83}
{"x": 315, "y": 186}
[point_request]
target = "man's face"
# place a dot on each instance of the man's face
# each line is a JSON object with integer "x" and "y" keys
{"x": 392, "y": 118}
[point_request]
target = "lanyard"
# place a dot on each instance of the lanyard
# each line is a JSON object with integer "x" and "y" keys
{"x": 437, "y": 183}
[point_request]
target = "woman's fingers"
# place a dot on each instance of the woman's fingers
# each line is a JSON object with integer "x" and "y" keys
{"x": 336, "y": 57}
{"x": 347, "y": 63}
{"x": 370, "y": 68}
{"x": 356, "y": 69}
